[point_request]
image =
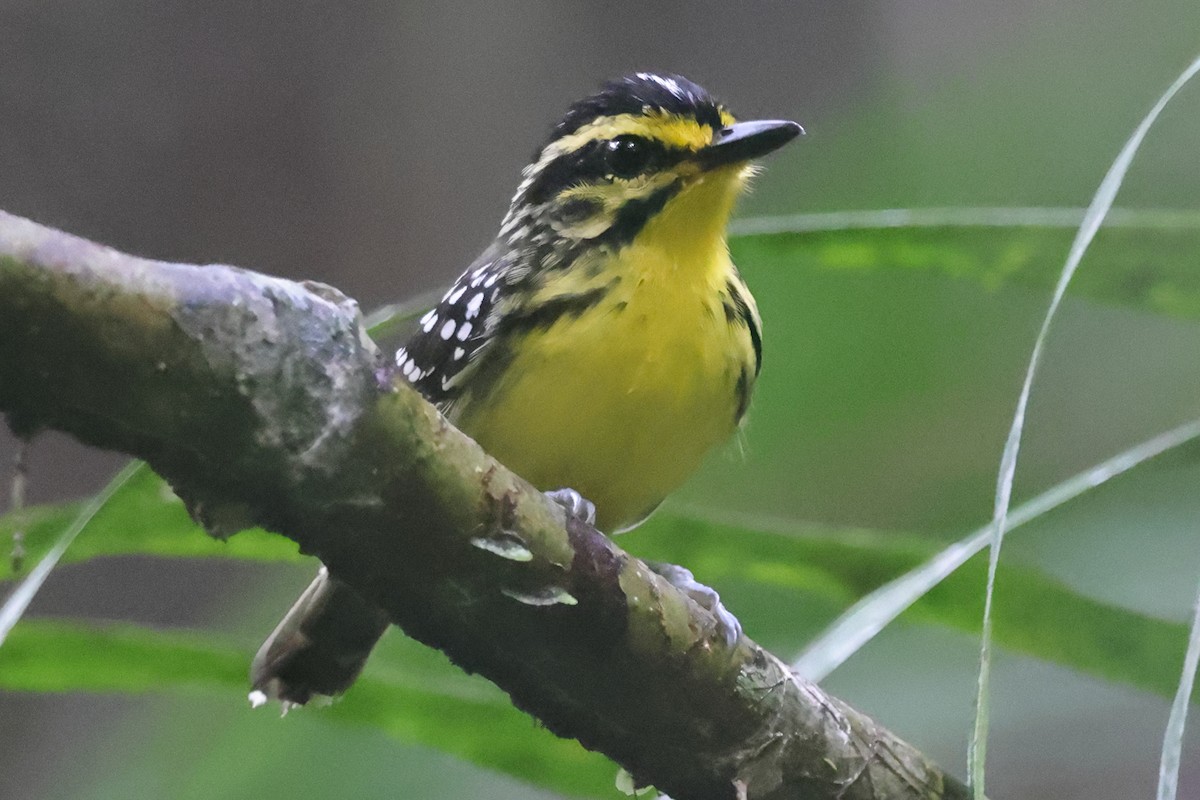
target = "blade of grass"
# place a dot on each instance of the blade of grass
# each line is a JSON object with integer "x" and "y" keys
{"x": 1101, "y": 203}
{"x": 871, "y": 614}
{"x": 1168, "y": 769}
{"x": 17, "y": 603}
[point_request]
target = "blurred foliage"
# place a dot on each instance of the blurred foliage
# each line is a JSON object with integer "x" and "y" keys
{"x": 893, "y": 357}
{"x": 1148, "y": 262}
{"x": 411, "y": 693}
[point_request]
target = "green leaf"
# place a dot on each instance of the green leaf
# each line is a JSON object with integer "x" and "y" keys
{"x": 1146, "y": 259}
{"x": 413, "y": 694}
{"x": 143, "y": 517}
{"x": 50, "y": 656}
{"x": 810, "y": 572}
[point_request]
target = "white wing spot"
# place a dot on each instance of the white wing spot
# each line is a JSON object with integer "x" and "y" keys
{"x": 474, "y": 306}
{"x": 459, "y": 353}
{"x": 463, "y": 332}
{"x": 452, "y": 297}
{"x": 448, "y": 329}
{"x": 428, "y": 321}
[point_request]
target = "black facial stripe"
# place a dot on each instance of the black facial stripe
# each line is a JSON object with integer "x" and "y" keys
{"x": 566, "y": 170}
{"x": 628, "y": 223}
{"x": 589, "y": 164}
{"x": 634, "y": 215}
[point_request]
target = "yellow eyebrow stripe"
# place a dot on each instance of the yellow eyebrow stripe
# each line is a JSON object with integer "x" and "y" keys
{"x": 672, "y": 130}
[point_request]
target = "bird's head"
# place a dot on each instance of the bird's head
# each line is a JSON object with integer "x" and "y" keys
{"x": 648, "y": 155}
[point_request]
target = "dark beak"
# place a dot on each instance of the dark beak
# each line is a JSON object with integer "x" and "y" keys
{"x": 744, "y": 141}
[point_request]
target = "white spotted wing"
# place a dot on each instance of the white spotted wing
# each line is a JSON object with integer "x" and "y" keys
{"x": 452, "y": 336}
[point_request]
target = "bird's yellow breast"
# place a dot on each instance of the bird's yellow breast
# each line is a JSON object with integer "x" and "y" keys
{"x": 623, "y": 400}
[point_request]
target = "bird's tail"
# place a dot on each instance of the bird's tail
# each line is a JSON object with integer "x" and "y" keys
{"x": 319, "y": 647}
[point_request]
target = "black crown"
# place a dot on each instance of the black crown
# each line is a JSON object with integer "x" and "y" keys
{"x": 635, "y": 94}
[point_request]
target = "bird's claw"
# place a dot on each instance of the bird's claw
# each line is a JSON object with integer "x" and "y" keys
{"x": 705, "y": 596}
{"x": 575, "y": 504}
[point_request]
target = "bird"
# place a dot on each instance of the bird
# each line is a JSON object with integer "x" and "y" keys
{"x": 600, "y": 347}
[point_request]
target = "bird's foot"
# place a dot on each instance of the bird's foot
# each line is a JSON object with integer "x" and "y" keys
{"x": 575, "y": 504}
{"x": 707, "y": 597}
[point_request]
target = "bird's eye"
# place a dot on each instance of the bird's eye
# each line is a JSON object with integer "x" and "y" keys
{"x": 628, "y": 156}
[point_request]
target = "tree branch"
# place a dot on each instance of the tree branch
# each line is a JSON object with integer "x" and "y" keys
{"x": 263, "y": 402}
